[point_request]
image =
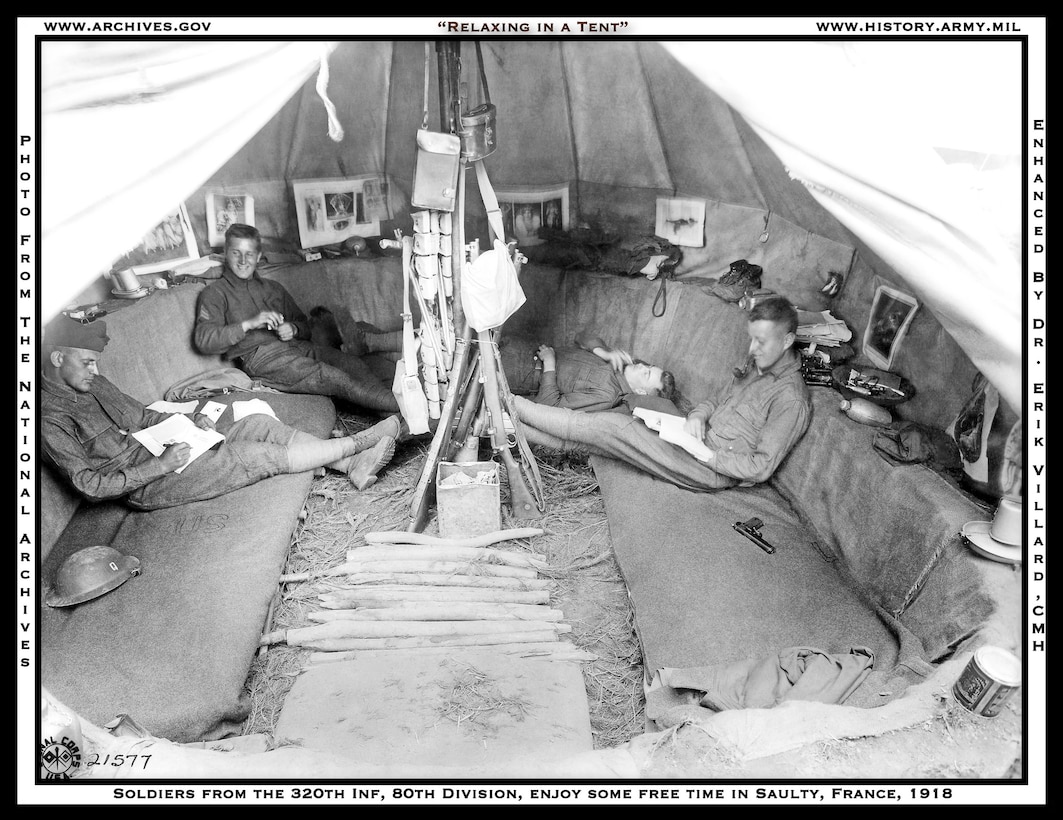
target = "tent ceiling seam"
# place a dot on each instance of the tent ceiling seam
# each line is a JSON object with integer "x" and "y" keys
{"x": 744, "y": 155}
{"x": 571, "y": 129}
{"x": 656, "y": 117}
{"x": 385, "y": 120}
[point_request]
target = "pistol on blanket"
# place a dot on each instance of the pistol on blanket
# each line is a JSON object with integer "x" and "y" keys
{"x": 751, "y": 530}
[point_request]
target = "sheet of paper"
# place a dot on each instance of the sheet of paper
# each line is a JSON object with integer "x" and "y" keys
{"x": 174, "y": 406}
{"x": 670, "y": 428}
{"x": 817, "y": 317}
{"x": 174, "y": 429}
{"x": 250, "y": 407}
{"x": 213, "y": 410}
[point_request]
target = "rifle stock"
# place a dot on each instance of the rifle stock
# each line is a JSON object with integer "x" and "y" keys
{"x": 422, "y": 493}
{"x": 522, "y": 503}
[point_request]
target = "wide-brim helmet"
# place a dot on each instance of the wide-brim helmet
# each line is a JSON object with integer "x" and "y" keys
{"x": 90, "y": 573}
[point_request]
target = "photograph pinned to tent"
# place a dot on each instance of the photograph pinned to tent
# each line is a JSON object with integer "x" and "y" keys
{"x": 170, "y": 243}
{"x": 892, "y": 312}
{"x": 526, "y": 210}
{"x": 330, "y": 210}
{"x": 375, "y": 197}
{"x": 681, "y": 221}
{"x": 225, "y": 209}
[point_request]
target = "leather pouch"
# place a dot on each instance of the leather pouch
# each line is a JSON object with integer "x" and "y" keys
{"x": 435, "y": 180}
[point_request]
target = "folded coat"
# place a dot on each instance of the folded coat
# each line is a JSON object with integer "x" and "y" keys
{"x": 796, "y": 673}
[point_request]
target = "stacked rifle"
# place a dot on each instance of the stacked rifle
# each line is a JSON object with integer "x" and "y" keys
{"x": 464, "y": 382}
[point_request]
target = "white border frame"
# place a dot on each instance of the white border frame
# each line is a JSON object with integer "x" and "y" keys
{"x": 215, "y": 231}
{"x": 876, "y": 355}
{"x": 531, "y": 196}
{"x": 306, "y": 191}
{"x": 674, "y": 209}
{"x": 960, "y": 792}
{"x": 189, "y": 248}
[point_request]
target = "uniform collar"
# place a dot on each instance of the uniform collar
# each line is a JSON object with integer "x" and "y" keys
{"x": 235, "y": 280}
{"x": 59, "y": 389}
{"x": 788, "y": 363}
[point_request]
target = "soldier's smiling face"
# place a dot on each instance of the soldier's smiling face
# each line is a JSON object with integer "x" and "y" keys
{"x": 241, "y": 255}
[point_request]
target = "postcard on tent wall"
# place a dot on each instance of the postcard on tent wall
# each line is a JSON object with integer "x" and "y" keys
{"x": 165, "y": 246}
{"x": 681, "y": 221}
{"x": 330, "y": 210}
{"x": 526, "y": 210}
{"x": 892, "y": 312}
{"x": 224, "y": 210}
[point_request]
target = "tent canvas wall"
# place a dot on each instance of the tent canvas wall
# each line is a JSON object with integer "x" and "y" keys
{"x": 806, "y": 157}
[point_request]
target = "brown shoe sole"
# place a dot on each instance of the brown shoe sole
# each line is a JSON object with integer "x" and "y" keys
{"x": 368, "y": 463}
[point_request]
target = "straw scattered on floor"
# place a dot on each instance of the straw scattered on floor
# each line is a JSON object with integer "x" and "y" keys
{"x": 589, "y": 588}
{"x": 473, "y": 699}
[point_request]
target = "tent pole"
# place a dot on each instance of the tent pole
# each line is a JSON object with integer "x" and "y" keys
{"x": 452, "y": 81}
{"x": 449, "y": 78}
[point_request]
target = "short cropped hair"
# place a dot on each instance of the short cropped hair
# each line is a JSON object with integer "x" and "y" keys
{"x": 667, "y": 384}
{"x": 668, "y": 388}
{"x": 775, "y": 309}
{"x": 238, "y": 230}
{"x": 682, "y": 403}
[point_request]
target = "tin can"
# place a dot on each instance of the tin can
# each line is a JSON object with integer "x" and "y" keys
{"x": 988, "y": 681}
{"x": 479, "y": 134}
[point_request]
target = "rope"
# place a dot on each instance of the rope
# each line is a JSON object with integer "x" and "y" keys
{"x": 483, "y": 76}
{"x": 661, "y": 298}
{"x": 427, "y": 56}
{"x": 335, "y": 130}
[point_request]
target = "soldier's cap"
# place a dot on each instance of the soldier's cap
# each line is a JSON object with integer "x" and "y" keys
{"x": 63, "y": 331}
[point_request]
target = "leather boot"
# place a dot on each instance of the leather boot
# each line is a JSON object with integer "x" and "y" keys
{"x": 307, "y": 452}
{"x": 370, "y": 395}
{"x": 366, "y": 464}
{"x": 389, "y": 427}
{"x": 371, "y": 339}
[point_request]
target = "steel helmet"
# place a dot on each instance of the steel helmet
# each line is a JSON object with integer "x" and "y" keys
{"x": 89, "y": 573}
{"x": 356, "y": 245}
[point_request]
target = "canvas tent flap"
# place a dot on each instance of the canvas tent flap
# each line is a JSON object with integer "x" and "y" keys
{"x": 616, "y": 124}
{"x": 131, "y": 128}
{"x": 873, "y": 167}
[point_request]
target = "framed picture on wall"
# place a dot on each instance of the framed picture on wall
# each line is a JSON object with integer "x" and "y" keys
{"x": 225, "y": 209}
{"x": 681, "y": 221}
{"x": 892, "y": 312}
{"x": 330, "y": 210}
{"x": 526, "y": 210}
{"x": 165, "y": 246}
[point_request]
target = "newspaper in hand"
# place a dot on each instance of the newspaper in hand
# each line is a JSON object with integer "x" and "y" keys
{"x": 174, "y": 429}
{"x": 671, "y": 430}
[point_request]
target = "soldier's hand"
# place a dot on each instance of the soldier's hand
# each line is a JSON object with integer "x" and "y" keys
{"x": 268, "y": 319}
{"x": 175, "y": 456}
{"x": 286, "y": 332}
{"x": 695, "y": 426}
{"x": 546, "y": 354}
{"x": 619, "y": 359}
{"x": 202, "y": 422}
